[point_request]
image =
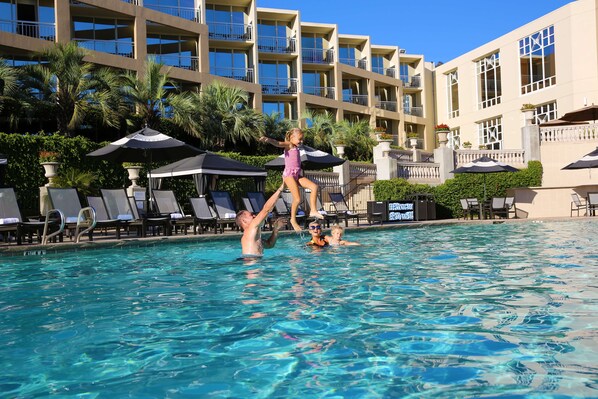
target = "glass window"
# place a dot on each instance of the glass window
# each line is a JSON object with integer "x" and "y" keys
{"x": 544, "y": 113}
{"x": 452, "y": 82}
{"x": 284, "y": 109}
{"x": 488, "y": 79}
{"x": 536, "y": 57}
{"x": 454, "y": 138}
{"x": 490, "y": 133}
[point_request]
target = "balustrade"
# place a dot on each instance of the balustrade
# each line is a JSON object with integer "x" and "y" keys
{"x": 511, "y": 157}
{"x": 573, "y": 133}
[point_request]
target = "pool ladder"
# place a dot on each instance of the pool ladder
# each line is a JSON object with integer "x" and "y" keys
{"x": 86, "y": 220}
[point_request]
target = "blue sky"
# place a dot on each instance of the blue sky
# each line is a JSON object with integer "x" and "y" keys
{"x": 439, "y": 29}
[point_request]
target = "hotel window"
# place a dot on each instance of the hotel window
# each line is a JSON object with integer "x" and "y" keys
{"x": 544, "y": 113}
{"x": 536, "y": 57}
{"x": 283, "y": 109}
{"x": 452, "y": 82}
{"x": 275, "y": 78}
{"x": 230, "y": 64}
{"x": 490, "y": 133}
{"x": 488, "y": 78}
{"x": 454, "y": 138}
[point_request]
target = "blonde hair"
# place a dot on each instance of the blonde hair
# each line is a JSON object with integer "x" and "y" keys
{"x": 336, "y": 227}
{"x": 294, "y": 130}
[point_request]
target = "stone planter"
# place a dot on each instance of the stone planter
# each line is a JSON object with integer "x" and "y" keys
{"x": 384, "y": 144}
{"x": 340, "y": 150}
{"x": 133, "y": 175}
{"x": 51, "y": 169}
{"x": 442, "y": 137}
{"x": 413, "y": 141}
{"x": 528, "y": 115}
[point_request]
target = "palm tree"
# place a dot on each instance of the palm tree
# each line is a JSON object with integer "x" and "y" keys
{"x": 357, "y": 139}
{"x": 321, "y": 128}
{"x": 225, "y": 117}
{"x": 70, "y": 88}
{"x": 9, "y": 92}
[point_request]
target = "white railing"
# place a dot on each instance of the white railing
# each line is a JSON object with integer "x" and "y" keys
{"x": 419, "y": 172}
{"x": 39, "y": 30}
{"x": 555, "y": 134}
{"x": 323, "y": 179}
{"x": 122, "y": 48}
{"x": 507, "y": 156}
{"x": 401, "y": 155}
{"x": 190, "y": 13}
{"x": 362, "y": 170}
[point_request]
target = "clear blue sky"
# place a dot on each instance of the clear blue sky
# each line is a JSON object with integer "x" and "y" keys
{"x": 439, "y": 29}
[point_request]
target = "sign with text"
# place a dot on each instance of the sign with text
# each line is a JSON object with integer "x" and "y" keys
{"x": 399, "y": 211}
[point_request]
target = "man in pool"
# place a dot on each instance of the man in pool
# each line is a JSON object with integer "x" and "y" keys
{"x": 252, "y": 244}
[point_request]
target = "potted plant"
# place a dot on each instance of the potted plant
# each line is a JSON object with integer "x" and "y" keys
{"x": 482, "y": 147}
{"x": 528, "y": 107}
{"x": 412, "y": 136}
{"x": 467, "y": 144}
{"x": 442, "y": 130}
{"x": 48, "y": 156}
{"x": 49, "y": 160}
{"x": 528, "y": 112}
{"x": 443, "y": 127}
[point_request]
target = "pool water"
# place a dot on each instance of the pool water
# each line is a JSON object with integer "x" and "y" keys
{"x": 460, "y": 311}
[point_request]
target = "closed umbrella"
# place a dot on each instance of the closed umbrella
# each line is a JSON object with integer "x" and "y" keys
{"x": 146, "y": 145}
{"x": 589, "y": 113}
{"x": 311, "y": 159}
{"x": 485, "y": 165}
{"x": 588, "y": 161}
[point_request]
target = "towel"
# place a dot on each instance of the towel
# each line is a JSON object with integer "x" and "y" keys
{"x": 323, "y": 212}
{"x": 9, "y": 220}
{"x": 176, "y": 216}
{"x": 125, "y": 217}
{"x": 230, "y": 215}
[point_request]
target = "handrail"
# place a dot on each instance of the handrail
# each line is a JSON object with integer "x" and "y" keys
{"x": 79, "y": 219}
{"x": 45, "y": 235}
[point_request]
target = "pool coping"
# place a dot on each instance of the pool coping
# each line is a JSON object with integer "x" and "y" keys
{"x": 13, "y": 250}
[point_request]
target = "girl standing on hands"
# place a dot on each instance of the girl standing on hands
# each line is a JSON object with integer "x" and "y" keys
{"x": 293, "y": 175}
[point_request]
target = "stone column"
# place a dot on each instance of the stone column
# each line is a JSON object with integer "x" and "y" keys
{"x": 344, "y": 175}
{"x": 530, "y": 140}
{"x": 445, "y": 158}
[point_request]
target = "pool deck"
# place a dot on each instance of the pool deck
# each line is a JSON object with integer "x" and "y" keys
{"x": 103, "y": 241}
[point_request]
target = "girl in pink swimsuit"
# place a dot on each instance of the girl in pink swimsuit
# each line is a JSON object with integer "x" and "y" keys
{"x": 293, "y": 175}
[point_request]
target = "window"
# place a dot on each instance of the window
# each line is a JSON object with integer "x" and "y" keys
{"x": 275, "y": 79}
{"x": 452, "y": 82}
{"x": 230, "y": 64}
{"x": 284, "y": 109}
{"x": 378, "y": 64}
{"x": 488, "y": 78}
{"x": 490, "y": 133}
{"x": 536, "y": 57}
{"x": 544, "y": 113}
{"x": 454, "y": 138}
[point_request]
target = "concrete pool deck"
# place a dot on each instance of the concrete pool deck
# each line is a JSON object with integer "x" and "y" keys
{"x": 101, "y": 241}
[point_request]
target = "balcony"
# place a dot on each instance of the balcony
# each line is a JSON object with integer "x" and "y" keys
{"x": 361, "y": 64}
{"x": 244, "y": 74}
{"x": 414, "y": 111}
{"x": 179, "y": 61}
{"x": 39, "y": 30}
{"x": 326, "y": 92}
{"x": 116, "y": 47}
{"x": 317, "y": 56}
{"x": 391, "y": 72}
{"x": 360, "y": 99}
{"x": 279, "y": 45}
{"x": 387, "y": 105}
{"x": 411, "y": 81}
{"x": 232, "y": 32}
{"x": 276, "y": 86}
{"x": 189, "y": 13}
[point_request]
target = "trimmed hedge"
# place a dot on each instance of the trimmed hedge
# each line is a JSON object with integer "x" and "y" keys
{"x": 464, "y": 185}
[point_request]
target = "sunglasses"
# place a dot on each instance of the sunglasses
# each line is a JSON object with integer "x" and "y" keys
{"x": 315, "y": 227}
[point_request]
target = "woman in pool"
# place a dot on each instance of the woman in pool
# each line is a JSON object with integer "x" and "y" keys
{"x": 317, "y": 239}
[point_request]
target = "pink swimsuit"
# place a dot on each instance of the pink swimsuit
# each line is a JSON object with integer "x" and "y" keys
{"x": 292, "y": 163}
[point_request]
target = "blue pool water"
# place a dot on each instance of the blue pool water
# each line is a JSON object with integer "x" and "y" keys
{"x": 470, "y": 311}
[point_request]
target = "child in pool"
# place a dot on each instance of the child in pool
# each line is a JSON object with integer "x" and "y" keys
{"x": 336, "y": 237}
{"x": 293, "y": 175}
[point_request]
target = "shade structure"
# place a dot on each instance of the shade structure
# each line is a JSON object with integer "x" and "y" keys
{"x": 311, "y": 159}
{"x": 589, "y": 113}
{"x": 485, "y": 165}
{"x": 588, "y": 161}
{"x": 209, "y": 164}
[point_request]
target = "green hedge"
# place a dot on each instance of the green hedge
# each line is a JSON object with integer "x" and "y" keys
{"x": 465, "y": 185}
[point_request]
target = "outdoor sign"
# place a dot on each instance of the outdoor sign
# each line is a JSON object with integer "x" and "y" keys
{"x": 399, "y": 211}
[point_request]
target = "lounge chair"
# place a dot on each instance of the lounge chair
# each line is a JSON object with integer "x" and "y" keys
{"x": 498, "y": 207}
{"x": 77, "y": 220}
{"x": 511, "y": 208}
{"x": 204, "y": 215}
{"x": 474, "y": 207}
{"x": 257, "y": 201}
{"x": 102, "y": 218}
{"x": 465, "y": 208}
{"x": 12, "y": 221}
{"x": 167, "y": 205}
{"x": 225, "y": 208}
{"x": 592, "y": 203}
{"x": 287, "y": 197}
{"x": 578, "y": 204}
{"x": 341, "y": 208}
{"x": 121, "y": 207}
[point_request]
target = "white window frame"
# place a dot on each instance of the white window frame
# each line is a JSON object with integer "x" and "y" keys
{"x": 452, "y": 79}
{"x": 537, "y": 41}
{"x": 544, "y": 113}
{"x": 490, "y": 133}
{"x": 483, "y": 66}
{"x": 454, "y": 138}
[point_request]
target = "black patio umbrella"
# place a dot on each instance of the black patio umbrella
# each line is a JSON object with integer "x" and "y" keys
{"x": 485, "y": 165}
{"x": 589, "y": 113}
{"x": 311, "y": 159}
{"x": 588, "y": 161}
{"x": 203, "y": 165}
{"x": 146, "y": 145}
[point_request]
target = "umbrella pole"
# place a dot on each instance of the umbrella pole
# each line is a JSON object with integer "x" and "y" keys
{"x": 484, "y": 187}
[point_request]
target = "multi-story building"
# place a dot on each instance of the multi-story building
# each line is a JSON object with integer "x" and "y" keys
{"x": 286, "y": 65}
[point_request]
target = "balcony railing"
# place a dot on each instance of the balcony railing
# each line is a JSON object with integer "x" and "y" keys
{"x": 392, "y": 72}
{"x": 179, "y": 61}
{"x": 415, "y": 111}
{"x": 39, "y": 30}
{"x": 278, "y": 86}
{"x": 190, "y": 13}
{"x": 327, "y": 92}
{"x": 244, "y": 74}
{"x": 362, "y": 63}
{"x": 387, "y": 105}
{"x": 411, "y": 81}
{"x": 116, "y": 47}
{"x": 274, "y": 44}
{"x": 317, "y": 56}
{"x": 226, "y": 31}
{"x": 361, "y": 99}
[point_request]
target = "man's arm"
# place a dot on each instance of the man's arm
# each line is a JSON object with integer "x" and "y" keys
{"x": 271, "y": 241}
{"x": 268, "y": 206}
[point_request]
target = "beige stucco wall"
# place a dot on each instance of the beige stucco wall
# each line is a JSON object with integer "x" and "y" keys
{"x": 555, "y": 156}
{"x": 542, "y": 202}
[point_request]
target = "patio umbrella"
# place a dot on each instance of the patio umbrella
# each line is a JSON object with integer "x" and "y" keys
{"x": 311, "y": 159}
{"x": 485, "y": 165}
{"x": 589, "y": 113}
{"x": 146, "y": 145}
{"x": 588, "y": 161}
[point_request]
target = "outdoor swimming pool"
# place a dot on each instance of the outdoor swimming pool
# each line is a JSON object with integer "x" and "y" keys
{"x": 461, "y": 311}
